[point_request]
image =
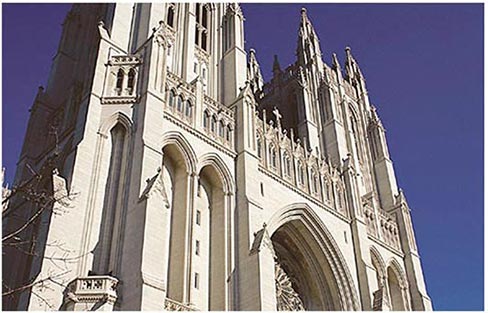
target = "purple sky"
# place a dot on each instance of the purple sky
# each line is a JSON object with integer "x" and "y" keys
{"x": 424, "y": 70}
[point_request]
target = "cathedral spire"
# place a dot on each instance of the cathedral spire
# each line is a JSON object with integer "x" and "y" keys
{"x": 308, "y": 47}
{"x": 276, "y": 66}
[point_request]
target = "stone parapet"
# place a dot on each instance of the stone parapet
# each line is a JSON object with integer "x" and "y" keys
{"x": 91, "y": 293}
{"x": 172, "y": 305}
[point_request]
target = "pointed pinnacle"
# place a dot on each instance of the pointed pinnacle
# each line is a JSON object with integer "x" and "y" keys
{"x": 335, "y": 61}
{"x": 348, "y": 54}
{"x": 276, "y": 64}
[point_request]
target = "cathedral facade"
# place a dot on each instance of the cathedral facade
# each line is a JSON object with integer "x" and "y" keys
{"x": 199, "y": 186}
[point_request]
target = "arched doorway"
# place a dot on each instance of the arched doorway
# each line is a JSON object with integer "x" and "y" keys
{"x": 310, "y": 273}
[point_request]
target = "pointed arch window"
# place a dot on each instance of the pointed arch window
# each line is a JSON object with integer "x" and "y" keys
{"x": 287, "y": 164}
{"x": 171, "y": 100}
{"x": 204, "y": 16}
{"x": 327, "y": 189}
{"x": 213, "y": 125}
{"x": 272, "y": 156}
{"x": 105, "y": 259}
{"x": 202, "y": 25}
{"x": 170, "y": 15}
{"x": 206, "y": 119}
{"x": 301, "y": 174}
{"x": 221, "y": 129}
{"x": 228, "y": 135}
{"x": 340, "y": 197}
{"x": 315, "y": 182}
{"x": 355, "y": 134}
{"x": 179, "y": 105}
{"x": 188, "y": 109}
{"x": 131, "y": 81}
{"x": 120, "y": 81}
{"x": 259, "y": 146}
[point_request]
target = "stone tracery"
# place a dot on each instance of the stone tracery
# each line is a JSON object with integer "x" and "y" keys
{"x": 287, "y": 299}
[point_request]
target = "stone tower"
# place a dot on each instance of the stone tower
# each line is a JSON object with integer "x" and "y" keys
{"x": 196, "y": 185}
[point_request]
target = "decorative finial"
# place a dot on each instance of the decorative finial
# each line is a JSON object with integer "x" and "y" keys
{"x": 335, "y": 61}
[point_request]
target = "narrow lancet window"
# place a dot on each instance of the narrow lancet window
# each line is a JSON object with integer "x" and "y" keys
{"x": 171, "y": 100}
{"x": 206, "y": 119}
{"x": 105, "y": 258}
{"x": 202, "y": 25}
{"x": 179, "y": 105}
{"x": 130, "y": 81}
{"x": 170, "y": 17}
{"x": 221, "y": 129}
{"x": 229, "y": 134}
{"x": 259, "y": 147}
{"x": 120, "y": 81}
{"x": 213, "y": 126}
{"x": 189, "y": 109}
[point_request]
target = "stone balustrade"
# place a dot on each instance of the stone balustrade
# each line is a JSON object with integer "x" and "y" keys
{"x": 212, "y": 104}
{"x": 87, "y": 293}
{"x": 385, "y": 230}
{"x": 174, "y": 80}
{"x": 389, "y": 229}
{"x": 370, "y": 219}
{"x": 172, "y": 305}
{"x": 216, "y": 120}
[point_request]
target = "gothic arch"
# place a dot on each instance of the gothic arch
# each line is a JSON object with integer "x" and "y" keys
{"x": 114, "y": 119}
{"x": 397, "y": 287}
{"x": 397, "y": 269}
{"x": 216, "y": 161}
{"x": 116, "y": 129}
{"x": 379, "y": 266}
{"x": 183, "y": 146}
{"x": 178, "y": 170}
{"x": 212, "y": 232}
{"x": 378, "y": 261}
{"x": 346, "y": 298}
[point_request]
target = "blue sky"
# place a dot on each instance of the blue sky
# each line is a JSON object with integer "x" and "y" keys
{"x": 423, "y": 65}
